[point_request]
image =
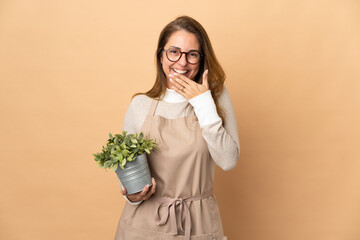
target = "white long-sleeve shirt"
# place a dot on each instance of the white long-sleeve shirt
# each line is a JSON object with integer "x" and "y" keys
{"x": 223, "y": 141}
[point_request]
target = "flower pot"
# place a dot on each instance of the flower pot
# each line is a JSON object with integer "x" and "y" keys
{"x": 135, "y": 175}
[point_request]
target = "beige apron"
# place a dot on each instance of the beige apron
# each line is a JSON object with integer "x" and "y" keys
{"x": 184, "y": 204}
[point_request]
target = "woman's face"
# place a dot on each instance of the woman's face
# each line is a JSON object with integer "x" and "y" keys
{"x": 186, "y": 42}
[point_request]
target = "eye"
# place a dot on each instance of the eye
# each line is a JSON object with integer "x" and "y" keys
{"x": 194, "y": 54}
{"x": 173, "y": 51}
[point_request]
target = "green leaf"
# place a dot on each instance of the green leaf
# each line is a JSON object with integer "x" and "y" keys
{"x": 125, "y": 153}
{"x": 115, "y": 167}
{"x": 123, "y": 163}
{"x": 121, "y": 148}
{"x": 107, "y": 164}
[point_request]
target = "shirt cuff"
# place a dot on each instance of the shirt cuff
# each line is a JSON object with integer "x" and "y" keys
{"x": 132, "y": 203}
{"x": 205, "y": 108}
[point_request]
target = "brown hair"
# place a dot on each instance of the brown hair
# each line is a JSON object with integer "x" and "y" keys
{"x": 216, "y": 75}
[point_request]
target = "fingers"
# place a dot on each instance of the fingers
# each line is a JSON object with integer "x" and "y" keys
{"x": 143, "y": 195}
{"x": 182, "y": 85}
{"x": 152, "y": 190}
{"x": 136, "y": 197}
{"x": 177, "y": 83}
{"x": 180, "y": 89}
{"x": 181, "y": 79}
{"x": 123, "y": 190}
{"x": 176, "y": 86}
{"x": 205, "y": 79}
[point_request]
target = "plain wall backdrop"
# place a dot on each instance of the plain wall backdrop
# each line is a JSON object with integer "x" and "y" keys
{"x": 68, "y": 70}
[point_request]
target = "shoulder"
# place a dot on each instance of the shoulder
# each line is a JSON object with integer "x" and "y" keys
{"x": 136, "y": 113}
{"x": 140, "y": 99}
{"x": 140, "y": 105}
{"x": 224, "y": 98}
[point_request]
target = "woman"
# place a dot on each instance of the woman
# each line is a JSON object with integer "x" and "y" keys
{"x": 190, "y": 115}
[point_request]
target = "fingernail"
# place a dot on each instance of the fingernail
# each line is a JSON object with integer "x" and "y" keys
{"x": 122, "y": 188}
{"x": 171, "y": 80}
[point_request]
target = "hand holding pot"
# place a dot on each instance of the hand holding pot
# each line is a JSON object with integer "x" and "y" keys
{"x": 145, "y": 194}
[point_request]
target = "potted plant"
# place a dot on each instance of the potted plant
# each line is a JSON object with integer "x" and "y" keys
{"x": 125, "y": 154}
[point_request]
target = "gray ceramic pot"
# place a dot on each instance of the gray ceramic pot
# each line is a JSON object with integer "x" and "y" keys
{"x": 135, "y": 175}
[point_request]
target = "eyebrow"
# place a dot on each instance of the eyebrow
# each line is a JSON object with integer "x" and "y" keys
{"x": 188, "y": 51}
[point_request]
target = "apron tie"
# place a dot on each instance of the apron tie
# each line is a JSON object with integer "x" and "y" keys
{"x": 171, "y": 204}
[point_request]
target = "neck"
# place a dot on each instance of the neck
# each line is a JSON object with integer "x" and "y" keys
{"x": 173, "y": 97}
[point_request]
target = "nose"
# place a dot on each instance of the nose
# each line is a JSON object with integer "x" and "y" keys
{"x": 182, "y": 61}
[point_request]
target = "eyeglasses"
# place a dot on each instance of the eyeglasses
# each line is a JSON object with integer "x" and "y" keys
{"x": 174, "y": 54}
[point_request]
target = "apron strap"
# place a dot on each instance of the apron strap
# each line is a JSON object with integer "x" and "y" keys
{"x": 155, "y": 103}
{"x": 153, "y": 107}
{"x": 192, "y": 109}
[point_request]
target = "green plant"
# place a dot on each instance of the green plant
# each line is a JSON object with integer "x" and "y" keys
{"x": 123, "y": 148}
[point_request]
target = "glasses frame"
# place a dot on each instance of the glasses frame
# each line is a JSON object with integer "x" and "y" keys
{"x": 181, "y": 53}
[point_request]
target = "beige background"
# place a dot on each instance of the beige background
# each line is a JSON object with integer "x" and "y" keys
{"x": 69, "y": 68}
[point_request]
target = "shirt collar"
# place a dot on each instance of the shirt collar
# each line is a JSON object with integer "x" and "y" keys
{"x": 172, "y": 96}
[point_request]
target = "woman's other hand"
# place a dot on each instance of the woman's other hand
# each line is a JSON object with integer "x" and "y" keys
{"x": 145, "y": 194}
{"x": 187, "y": 87}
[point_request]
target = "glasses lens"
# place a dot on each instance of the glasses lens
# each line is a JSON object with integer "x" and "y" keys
{"x": 173, "y": 54}
{"x": 193, "y": 57}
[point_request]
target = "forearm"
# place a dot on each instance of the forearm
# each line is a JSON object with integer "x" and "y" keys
{"x": 223, "y": 143}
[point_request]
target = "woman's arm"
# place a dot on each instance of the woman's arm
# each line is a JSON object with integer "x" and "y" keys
{"x": 136, "y": 114}
{"x": 223, "y": 141}
{"x": 134, "y": 117}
